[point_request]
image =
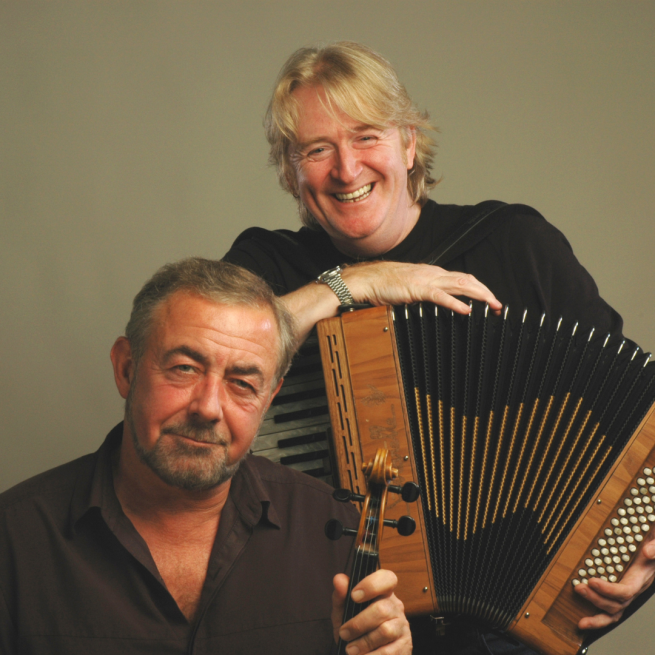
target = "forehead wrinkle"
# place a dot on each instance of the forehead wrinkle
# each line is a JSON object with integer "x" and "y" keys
{"x": 176, "y": 323}
{"x": 185, "y": 350}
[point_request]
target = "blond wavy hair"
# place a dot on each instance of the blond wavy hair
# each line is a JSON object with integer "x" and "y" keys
{"x": 362, "y": 84}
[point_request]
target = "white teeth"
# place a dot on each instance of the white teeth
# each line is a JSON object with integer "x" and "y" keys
{"x": 360, "y": 194}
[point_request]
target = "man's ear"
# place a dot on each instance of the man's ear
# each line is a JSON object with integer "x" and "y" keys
{"x": 410, "y": 146}
{"x": 277, "y": 388}
{"x": 121, "y": 359}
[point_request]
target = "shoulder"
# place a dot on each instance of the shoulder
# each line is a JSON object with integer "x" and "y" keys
{"x": 271, "y": 473}
{"x": 260, "y": 239}
{"x": 296, "y": 489}
{"x": 48, "y": 487}
{"x": 525, "y": 228}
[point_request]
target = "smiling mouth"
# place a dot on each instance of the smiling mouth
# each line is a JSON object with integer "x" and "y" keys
{"x": 355, "y": 196}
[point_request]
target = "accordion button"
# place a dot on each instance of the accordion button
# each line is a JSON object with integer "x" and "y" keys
{"x": 575, "y": 582}
{"x": 602, "y": 542}
{"x": 598, "y": 561}
{"x": 615, "y": 522}
{"x": 629, "y": 539}
{"x": 626, "y": 530}
{"x": 619, "y": 568}
{"x": 643, "y": 519}
{"x": 582, "y": 573}
{"x": 636, "y": 500}
{"x": 621, "y": 511}
{"x": 616, "y": 559}
{"x": 603, "y": 577}
{"x": 624, "y": 521}
{"x": 613, "y": 578}
{"x": 628, "y": 502}
{"x": 634, "y": 492}
{"x": 604, "y": 551}
{"x": 591, "y": 572}
{"x": 608, "y": 532}
{"x": 632, "y": 548}
{"x": 633, "y": 520}
{"x": 595, "y": 552}
{"x": 650, "y": 480}
{"x": 589, "y": 562}
{"x": 625, "y": 558}
{"x": 639, "y": 537}
{"x": 641, "y": 482}
{"x": 614, "y": 550}
{"x": 648, "y": 471}
{"x": 651, "y": 485}
{"x": 643, "y": 491}
{"x": 623, "y": 549}
{"x": 631, "y": 510}
{"x": 620, "y": 540}
{"x": 610, "y": 569}
{"x": 612, "y": 541}
{"x": 607, "y": 560}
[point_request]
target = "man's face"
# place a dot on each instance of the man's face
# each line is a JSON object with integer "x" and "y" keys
{"x": 352, "y": 177}
{"x": 201, "y": 389}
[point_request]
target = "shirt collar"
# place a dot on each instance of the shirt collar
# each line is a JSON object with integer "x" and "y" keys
{"x": 95, "y": 489}
{"x": 251, "y": 497}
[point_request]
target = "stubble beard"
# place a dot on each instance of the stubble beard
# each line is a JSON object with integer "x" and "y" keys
{"x": 180, "y": 463}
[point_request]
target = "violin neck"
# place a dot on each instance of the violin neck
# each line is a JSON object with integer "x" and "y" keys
{"x": 364, "y": 564}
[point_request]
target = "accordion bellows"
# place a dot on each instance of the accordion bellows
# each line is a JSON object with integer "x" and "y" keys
{"x": 531, "y": 445}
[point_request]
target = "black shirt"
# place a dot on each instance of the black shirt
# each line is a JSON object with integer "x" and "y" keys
{"x": 524, "y": 260}
{"x": 76, "y": 577}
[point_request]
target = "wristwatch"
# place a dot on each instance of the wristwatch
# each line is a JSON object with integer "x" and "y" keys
{"x": 333, "y": 279}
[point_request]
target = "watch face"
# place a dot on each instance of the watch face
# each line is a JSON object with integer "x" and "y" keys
{"x": 328, "y": 275}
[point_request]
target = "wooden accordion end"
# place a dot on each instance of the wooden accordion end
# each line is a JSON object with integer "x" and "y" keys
{"x": 534, "y": 448}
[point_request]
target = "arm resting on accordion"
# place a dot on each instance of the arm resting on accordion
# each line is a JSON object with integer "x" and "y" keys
{"x": 383, "y": 623}
{"x": 388, "y": 283}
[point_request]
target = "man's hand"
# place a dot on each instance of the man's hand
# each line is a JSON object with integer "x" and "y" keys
{"x": 613, "y": 598}
{"x": 388, "y": 283}
{"x": 381, "y": 628}
{"x": 395, "y": 283}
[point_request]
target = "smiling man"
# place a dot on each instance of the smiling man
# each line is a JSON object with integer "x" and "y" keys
{"x": 351, "y": 147}
{"x": 171, "y": 538}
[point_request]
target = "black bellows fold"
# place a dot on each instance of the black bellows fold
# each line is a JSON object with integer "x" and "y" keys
{"x": 515, "y": 422}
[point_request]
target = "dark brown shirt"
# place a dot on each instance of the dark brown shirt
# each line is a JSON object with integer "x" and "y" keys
{"x": 76, "y": 577}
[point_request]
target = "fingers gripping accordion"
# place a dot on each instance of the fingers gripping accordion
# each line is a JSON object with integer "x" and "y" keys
{"x": 533, "y": 445}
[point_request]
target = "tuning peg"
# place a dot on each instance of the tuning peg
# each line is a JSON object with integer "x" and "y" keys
{"x": 334, "y": 529}
{"x": 344, "y": 495}
{"x": 405, "y": 525}
{"x": 409, "y": 492}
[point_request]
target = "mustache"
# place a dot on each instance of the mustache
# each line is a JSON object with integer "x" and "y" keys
{"x": 201, "y": 431}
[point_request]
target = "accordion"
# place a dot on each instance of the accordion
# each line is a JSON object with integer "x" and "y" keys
{"x": 533, "y": 445}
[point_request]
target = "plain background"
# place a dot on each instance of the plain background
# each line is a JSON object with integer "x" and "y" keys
{"x": 130, "y": 136}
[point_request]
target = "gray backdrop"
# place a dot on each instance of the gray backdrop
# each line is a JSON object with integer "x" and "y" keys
{"x": 130, "y": 135}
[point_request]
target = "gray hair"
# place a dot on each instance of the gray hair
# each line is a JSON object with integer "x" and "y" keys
{"x": 361, "y": 83}
{"x": 219, "y": 281}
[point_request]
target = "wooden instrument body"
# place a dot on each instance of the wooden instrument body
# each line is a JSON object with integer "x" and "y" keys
{"x": 368, "y": 411}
